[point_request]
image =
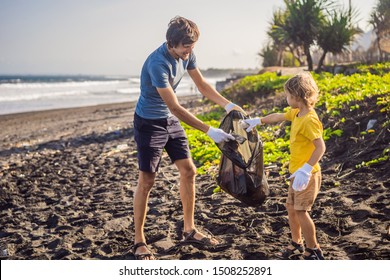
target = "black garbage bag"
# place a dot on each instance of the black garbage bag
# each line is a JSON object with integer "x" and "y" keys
{"x": 241, "y": 170}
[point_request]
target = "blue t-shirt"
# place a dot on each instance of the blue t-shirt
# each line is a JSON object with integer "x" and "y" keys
{"x": 160, "y": 70}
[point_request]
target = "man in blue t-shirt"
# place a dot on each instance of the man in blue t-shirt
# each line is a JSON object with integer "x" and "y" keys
{"x": 157, "y": 127}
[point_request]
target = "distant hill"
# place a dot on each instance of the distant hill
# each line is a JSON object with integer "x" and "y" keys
{"x": 232, "y": 72}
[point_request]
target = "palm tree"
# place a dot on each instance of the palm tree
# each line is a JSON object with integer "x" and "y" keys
{"x": 278, "y": 35}
{"x": 380, "y": 20}
{"x": 303, "y": 23}
{"x": 337, "y": 33}
{"x": 282, "y": 39}
{"x": 269, "y": 55}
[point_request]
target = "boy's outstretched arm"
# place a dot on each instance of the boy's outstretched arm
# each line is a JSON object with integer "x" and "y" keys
{"x": 249, "y": 124}
{"x": 273, "y": 118}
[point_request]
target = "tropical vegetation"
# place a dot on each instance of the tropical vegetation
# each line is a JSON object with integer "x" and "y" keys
{"x": 341, "y": 96}
{"x": 306, "y": 25}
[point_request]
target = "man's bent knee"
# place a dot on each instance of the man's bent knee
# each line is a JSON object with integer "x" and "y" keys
{"x": 189, "y": 172}
{"x": 186, "y": 168}
{"x": 146, "y": 180}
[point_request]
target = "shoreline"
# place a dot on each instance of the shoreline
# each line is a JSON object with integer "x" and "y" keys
{"x": 64, "y": 110}
{"x": 98, "y": 106}
{"x": 37, "y": 127}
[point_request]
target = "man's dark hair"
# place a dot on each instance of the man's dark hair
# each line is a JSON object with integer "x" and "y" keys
{"x": 181, "y": 30}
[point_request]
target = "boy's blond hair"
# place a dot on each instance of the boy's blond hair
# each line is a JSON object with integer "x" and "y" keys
{"x": 304, "y": 87}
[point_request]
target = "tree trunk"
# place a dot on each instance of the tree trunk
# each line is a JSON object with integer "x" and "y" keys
{"x": 308, "y": 57}
{"x": 299, "y": 55}
{"x": 379, "y": 48}
{"x": 280, "y": 58}
{"x": 321, "y": 61}
{"x": 296, "y": 55}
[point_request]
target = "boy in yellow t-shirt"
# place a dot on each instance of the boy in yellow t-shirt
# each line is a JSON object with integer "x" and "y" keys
{"x": 306, "y": 148}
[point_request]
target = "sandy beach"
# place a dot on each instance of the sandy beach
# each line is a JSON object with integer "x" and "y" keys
{"x": 68, "y": 178}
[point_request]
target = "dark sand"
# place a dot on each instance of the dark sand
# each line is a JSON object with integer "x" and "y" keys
{"x": 68, "y": 178}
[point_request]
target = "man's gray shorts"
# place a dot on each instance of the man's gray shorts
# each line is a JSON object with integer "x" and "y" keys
{"x": 152, "y": 136}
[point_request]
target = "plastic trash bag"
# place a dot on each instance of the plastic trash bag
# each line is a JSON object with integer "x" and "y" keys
{"x": 241, "y": 170}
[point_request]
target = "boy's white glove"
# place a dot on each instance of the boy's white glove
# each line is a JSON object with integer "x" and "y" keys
{"x": 231, "y": 106}
{"x": 301, "y": 177}
{"x": 218, "y": 135}
{"x": 249, "y": 124}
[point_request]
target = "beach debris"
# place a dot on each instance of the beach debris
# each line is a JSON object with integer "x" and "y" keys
{"x": 270, "y": 167}
{"x": 122, "y": 147}
{"x": 117, "y": 149}
{"x": 371, "y": 124}
{"x": 240, "y": 139}
{"x": 3, "y": 253}
{"x": 243, "y": 124}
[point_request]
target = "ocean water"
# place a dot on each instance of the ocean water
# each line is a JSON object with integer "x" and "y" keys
{"x": 36, "y": 93}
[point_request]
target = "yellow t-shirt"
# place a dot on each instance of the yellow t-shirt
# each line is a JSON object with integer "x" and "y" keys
{"x": 303, "y": 131}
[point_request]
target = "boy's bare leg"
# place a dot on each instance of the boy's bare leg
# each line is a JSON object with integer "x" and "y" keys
{"x": 294, "y": 224}
{"x": 308, "y": 229}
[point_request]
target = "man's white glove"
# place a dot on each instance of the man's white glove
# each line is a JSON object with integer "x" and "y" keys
{"x": 301, "y": 177}
{"x": 218, "y": 135}
{"x": 249, "y": 124}
{"x": 231, "y": 106}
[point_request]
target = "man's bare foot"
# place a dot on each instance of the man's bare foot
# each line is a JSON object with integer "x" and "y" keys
{"x": 195, "y": 236}
{"x": 142, "y": 252}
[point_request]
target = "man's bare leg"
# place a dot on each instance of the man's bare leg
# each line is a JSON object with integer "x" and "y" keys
{"x": 187, "y": 172}
{"x": 141, "y": 197}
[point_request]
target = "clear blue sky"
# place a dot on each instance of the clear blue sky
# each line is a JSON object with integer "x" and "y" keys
{"x": 115, "y": 36}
